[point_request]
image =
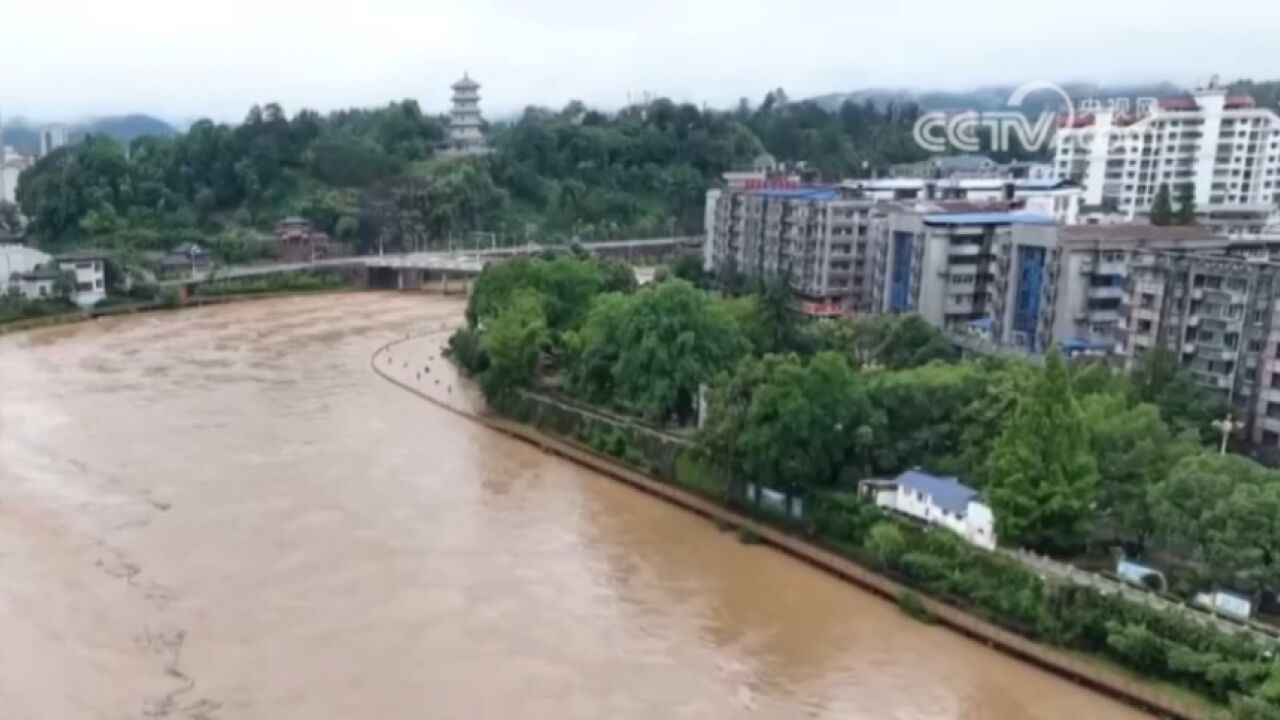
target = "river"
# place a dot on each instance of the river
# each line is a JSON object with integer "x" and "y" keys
{"x": 224, "y": 513}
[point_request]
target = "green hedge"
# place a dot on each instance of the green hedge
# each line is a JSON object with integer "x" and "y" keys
{"x": 1223, "y": 667}
{"x": 285, "y": 282}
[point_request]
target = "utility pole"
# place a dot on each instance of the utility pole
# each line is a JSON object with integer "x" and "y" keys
{"x": 1226, "y": 426}
{"x": 4, "y": 157}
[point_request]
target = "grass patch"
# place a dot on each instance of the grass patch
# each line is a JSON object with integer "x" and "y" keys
{"x": 911, "y": 604}
{"x": 699, "y": 477}
{"x": 1177, "y": 692}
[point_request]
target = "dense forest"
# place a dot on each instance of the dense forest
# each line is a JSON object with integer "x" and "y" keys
{"x": 374, "y": 177}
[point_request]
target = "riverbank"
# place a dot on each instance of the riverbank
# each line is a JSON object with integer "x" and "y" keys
{"x": 76, "y": 316}
{"x": 448, "y": 392}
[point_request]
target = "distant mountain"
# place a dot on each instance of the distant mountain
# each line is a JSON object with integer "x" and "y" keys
{"x": 992, "y": 97}
{"x": 25, "y": 135}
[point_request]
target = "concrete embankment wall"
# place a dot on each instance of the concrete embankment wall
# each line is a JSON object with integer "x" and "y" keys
{"x": 1049, "y": 658}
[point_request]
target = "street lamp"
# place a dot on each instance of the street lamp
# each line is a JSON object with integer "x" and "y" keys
{"x": 1226, "y": 426}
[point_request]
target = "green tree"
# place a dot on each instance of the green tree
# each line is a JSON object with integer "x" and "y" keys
{"x": 10, "y": 219}
{"x": 921, "y": 413}
{"x": 1042, "y": 477}
{"x": 785, "y": 423}
{"x": 1162, "y": 207}
{"x": 1158, "y": 379}
{"x": 511, "y": 342}
{"x": 659, "y": 345}
{"x": 1223, "y": 510}
{"x": 1186, "y": 213}
{"x": 912, "y": 342}
{"x": 1135, "y": 451}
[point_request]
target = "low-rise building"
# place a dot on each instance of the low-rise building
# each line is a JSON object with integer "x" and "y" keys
{"x": 937, "y": 500}
{"x": 90, "y": 270}
{"x": 38, "y": 284}
{"x": 185, "y": 258}
{"x": 297, "y": 241}
{"x": 18, "y": 258}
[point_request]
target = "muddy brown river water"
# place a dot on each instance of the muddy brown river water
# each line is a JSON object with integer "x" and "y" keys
{"x": 224, "y": 513}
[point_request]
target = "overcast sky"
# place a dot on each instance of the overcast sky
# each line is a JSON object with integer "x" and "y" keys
{"x": 66, "y": 60}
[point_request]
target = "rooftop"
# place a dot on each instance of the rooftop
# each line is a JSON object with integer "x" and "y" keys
{"x": 799, "y": 193}
{"x": 85, "y": 254}
{"x": 1136, "y": 233}
{"x": 44, "y": 273}
{"x": 947, "y": 491}
{"x": 466, "y": 83}
{"x": 989, "y": 218}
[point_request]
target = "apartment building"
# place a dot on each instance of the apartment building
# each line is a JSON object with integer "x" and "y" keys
{"x": 1222, "y": 145}
{"x": 818, "y": 237}
{"x": 1221, "y": 315}
{"x": 1096, "y": 262}
{"x": 988, "y": 273}
{"x": 1061, "y": 200}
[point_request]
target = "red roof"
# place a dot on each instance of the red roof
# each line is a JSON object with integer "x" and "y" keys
{"x": 1178, "y": 103}
{"x": 1241, "y": 101}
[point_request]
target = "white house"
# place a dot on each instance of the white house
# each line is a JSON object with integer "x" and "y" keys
{"x": 937, "y": 500}
{"x": 18, "y": 258}
{"x": 39, "y": 284}
{"x": 90, "y": 268}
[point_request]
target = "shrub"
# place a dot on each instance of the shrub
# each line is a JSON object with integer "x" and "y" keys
{"x": 885, "y": 543}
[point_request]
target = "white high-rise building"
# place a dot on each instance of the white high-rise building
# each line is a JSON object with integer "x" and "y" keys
{"x": 12, "y": 163}
{"x": 1222, "y": 145}
{"x": 464, "y": 119}
{"x": 52, "y": 138}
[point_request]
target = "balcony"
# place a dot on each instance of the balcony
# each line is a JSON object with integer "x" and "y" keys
{"x": 1113, "y": 292}
{"x": 965, "y": 250}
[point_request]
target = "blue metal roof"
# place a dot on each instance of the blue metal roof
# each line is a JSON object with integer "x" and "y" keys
{"x": 989, "y": 218}
{"x": 1079, "y": 343}
{"x": 982, "y": 323}
{"x": 947, "y": 492}
{"x": 805, "y": 193}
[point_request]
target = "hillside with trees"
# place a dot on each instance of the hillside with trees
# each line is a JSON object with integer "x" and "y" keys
{"x": 373, "y": 177}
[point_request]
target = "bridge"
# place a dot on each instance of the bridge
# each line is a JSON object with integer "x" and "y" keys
{"x": 417, "y": 269}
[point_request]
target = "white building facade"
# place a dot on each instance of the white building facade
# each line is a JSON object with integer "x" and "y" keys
{"x": 53, "y": 137}
{"x": 90, "y": 269}
{"x": 12, "y": 163}
{"x": 1223, "y": 146}
{"x": 938, "y": 500}
{"x": 25, "y": 271}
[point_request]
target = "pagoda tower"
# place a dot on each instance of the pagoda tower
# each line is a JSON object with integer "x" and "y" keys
{"x": 464, "y": 119}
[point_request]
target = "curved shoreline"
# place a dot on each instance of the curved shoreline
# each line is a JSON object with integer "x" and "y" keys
{"x": 1048, "y": 658}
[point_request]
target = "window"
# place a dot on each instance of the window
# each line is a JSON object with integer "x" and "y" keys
{"x": 1270, "y": 438}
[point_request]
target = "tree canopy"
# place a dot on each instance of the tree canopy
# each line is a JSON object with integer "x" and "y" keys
{"x": 1042, "y": 476}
